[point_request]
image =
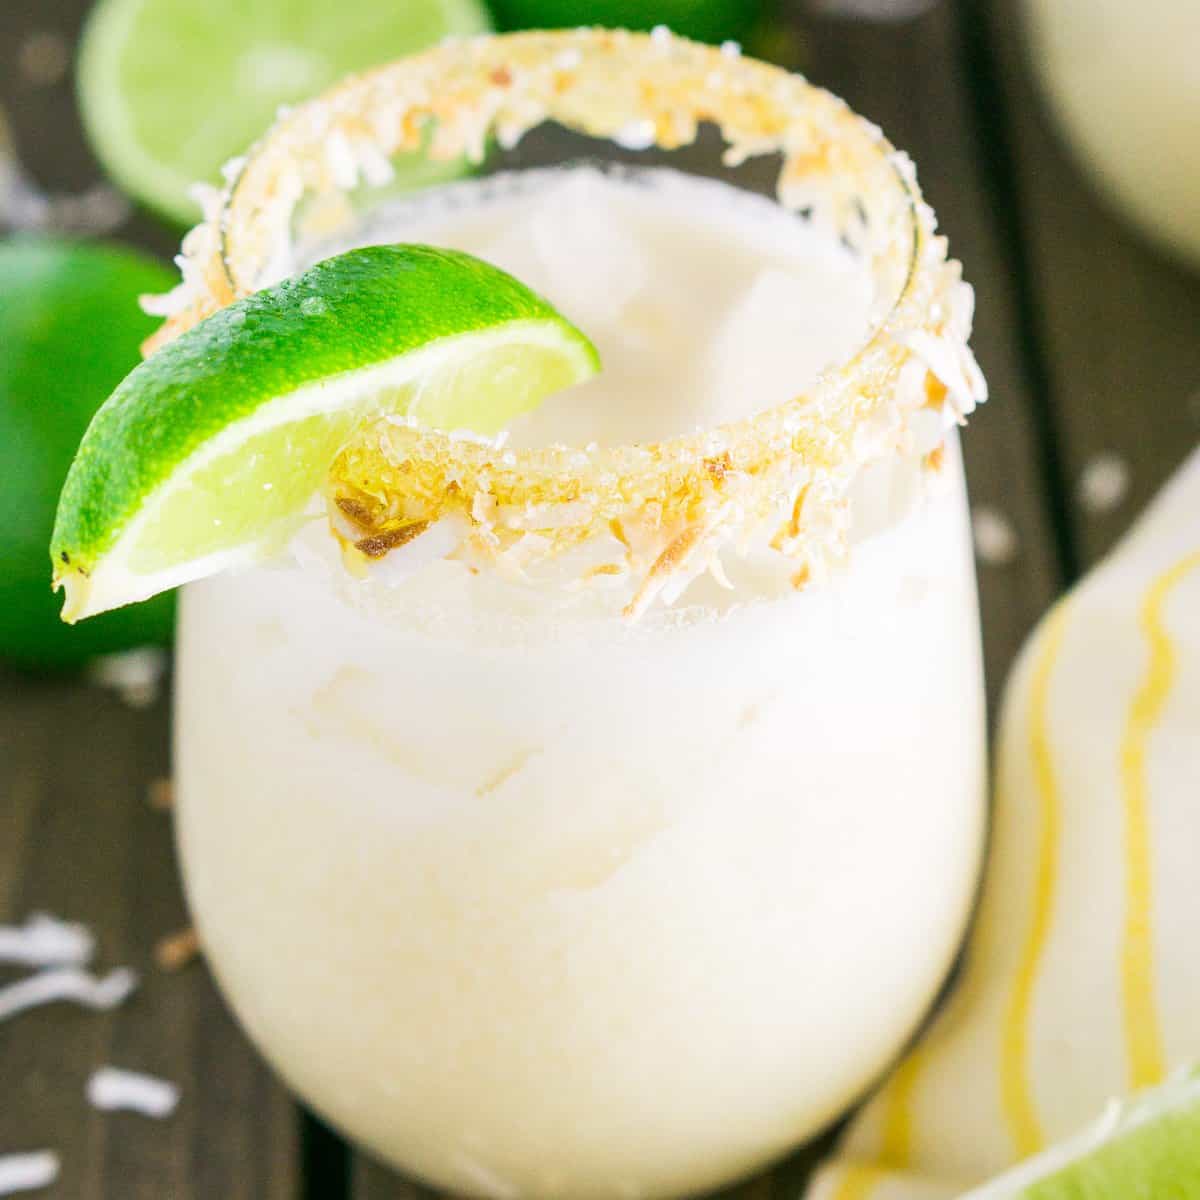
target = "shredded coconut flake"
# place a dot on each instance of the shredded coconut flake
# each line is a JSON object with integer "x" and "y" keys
{"x": 160, "y": 795}
{"x": 166, "y": 304}
{"x": 233, "y": 168}
{"x": 110, "y": 1089}
{"x": 637, "y": 135}
{"x": 45, "y": 941}
{"x": 680, "y": 501}
{"x": 207, "y": 197}
{"x": 996, "y": 540}
{"x": 67, "y": 983}
{"x": 135, "y": 675}
{"x": 1104, "y": 483}
{"x": 27, "y": 1172}
{"x": 340, "y": 159}
{"x": 176, "y": 950}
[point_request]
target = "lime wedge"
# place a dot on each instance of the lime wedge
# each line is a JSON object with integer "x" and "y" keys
{"x": 208, "y": 453}
{"x": 171, "y": 89}
{"x": 1147, "y": 1147}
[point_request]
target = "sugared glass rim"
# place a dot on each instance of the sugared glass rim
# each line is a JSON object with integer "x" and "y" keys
{"x": 777, "y": 477}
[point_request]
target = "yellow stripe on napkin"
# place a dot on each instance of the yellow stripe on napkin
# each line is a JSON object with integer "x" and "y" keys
{"x": 1143, "y": 1036}
{"x": 1017, "y": 1102}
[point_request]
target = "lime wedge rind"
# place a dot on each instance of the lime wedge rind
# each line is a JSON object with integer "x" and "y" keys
{"x": 1143, "y": 1135}
{"x": 354, "y": 310}
{"x": 114, "y": 581}
{"x": 207, "y": 455}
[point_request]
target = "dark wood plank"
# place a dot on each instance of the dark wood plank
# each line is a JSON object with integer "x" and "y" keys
{"x": 1119, "y": 323}
{"x": 78, "y": 839}
{"x": 910, "y": 78}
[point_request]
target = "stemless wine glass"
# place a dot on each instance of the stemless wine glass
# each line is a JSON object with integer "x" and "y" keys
{"x": 551, "y": 880}
{"x": 1123, "y": 83}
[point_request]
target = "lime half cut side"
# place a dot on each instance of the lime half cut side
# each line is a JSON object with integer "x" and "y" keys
{"x": 172, "y": 89}
{"x": 1147, "y": 1147}
{"x": 208, "y": 454}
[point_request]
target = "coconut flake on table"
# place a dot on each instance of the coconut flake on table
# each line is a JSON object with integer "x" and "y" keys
{"x": 135, "y": 675}
{"x": 45, "y": 941}
{"x": 995, "y": 538}
{"x": 111, "y": 1089}
{"x": 26, "y": 1172}
{"x": 177, "y": 949}
{"x": 69, "y": 984}
{"x": 160, "y": 794}
{"x": 1104, "y": 483}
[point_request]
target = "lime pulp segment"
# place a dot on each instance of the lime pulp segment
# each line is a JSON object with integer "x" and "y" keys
{"x": 208, "y": 454}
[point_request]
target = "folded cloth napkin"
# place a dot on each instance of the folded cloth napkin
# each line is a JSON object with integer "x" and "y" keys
{"x": 1081, "y": 980}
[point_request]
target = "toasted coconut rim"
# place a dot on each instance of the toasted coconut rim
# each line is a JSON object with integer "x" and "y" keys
{"x": 776, "y": 479}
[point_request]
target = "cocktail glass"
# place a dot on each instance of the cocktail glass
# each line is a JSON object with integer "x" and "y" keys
{"x": 535, "y": 860}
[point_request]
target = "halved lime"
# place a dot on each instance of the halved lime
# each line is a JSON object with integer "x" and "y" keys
{"x": 1148, "y": 1147}
{"x": 208, "y": 453}
{"x": 172, "y": 89}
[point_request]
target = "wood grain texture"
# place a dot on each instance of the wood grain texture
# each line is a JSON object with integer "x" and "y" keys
{"x": 77, "y": 839}
{"x": 1119, "y": 323}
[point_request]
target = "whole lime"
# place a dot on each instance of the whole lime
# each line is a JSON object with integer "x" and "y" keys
{"x": 70, "y": 329}
{"x": 703, "y": 20}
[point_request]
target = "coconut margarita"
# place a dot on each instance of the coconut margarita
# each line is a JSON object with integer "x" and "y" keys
{"x": 594, "y": 809}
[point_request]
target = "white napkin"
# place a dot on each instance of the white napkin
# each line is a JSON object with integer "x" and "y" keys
{"x": 1082, "y": 976}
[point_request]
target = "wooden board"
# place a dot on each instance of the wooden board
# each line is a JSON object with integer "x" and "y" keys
{"x": 78, "y": 839}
